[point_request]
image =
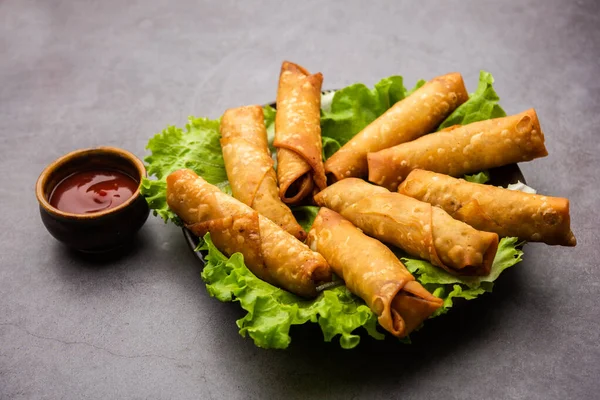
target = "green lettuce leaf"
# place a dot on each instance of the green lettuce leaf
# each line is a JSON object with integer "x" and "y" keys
{"x": 155, "y": 193}
{"x": 272, "y": 311}
{"x": 482, "y": 177}
{"x": 482, "y": 105}
{"x": 452, "y": 286}
{"x": 330, "y": 146}
{"x": 419, "y": 83}
{"x": 269, "y": 113}
{"x": 452, "y": 292}
{"x": 305, "y": 215}
{"x": 356, "y": 106}
{"x": 196, "y": 147}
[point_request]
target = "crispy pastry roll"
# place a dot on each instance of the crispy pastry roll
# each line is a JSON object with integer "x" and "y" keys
{"x": 460, "y": 150}
{"x": 372, "y": 272}
{"x": 408, "y": 119}
{"x": 531, "y": 217}
{"x": 250, "y": 167}
{"x": 298, "y": 133}
{"x": 269, "y": 252}
{"x": 412, "y": 225}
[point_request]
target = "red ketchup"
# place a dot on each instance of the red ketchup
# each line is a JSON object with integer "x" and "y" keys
{"x": 92, "y": 191}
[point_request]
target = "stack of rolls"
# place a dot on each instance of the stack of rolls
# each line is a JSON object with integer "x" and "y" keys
{"x": 415, "y": 200}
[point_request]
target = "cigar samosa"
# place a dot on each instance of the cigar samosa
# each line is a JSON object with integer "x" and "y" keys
{"x": 532, "y": 217}
{"x": 298, "y": 134}
{"x": 269, "y": 252}
{"x": 249, "y": 166}
{"x": 372, "y": 272}
{"x": 461, "y": 150}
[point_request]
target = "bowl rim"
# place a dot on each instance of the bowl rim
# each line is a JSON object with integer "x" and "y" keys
{"x": 63, "y": 160}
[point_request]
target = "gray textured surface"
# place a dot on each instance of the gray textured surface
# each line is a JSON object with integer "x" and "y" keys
{"x": 79, "y": 73}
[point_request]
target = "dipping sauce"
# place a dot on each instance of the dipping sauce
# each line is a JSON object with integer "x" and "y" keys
{"x": 93, "y": 191}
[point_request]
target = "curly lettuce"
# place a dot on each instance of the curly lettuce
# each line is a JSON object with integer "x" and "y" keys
{"x": 449, "y": 287}
{"x": 481, "y": 177}
{"x": 272, "y": 311}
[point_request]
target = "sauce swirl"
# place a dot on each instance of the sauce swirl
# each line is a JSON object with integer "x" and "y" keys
{"x": 92, "y": 191}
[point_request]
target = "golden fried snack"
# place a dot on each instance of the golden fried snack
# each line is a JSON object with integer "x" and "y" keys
{"x": 372, "y": 272}
{"x": 532, "y": 217}
{"x": 460, "y": 150}
{"x": 269, "y": 252}
{"x": 298, "y": 133}
{"x": 249, "y": 166}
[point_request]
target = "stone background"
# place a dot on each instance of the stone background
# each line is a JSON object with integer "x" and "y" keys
{"x": 77, "y": 74}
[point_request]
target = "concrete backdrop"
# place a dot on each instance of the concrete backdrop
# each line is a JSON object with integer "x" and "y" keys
{"x": 77, "y": 74}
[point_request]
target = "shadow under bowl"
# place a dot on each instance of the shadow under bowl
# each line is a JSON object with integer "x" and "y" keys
{"x": 97, "y": 232}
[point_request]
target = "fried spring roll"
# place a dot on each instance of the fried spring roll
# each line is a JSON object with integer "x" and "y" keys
{"x": 372, "y": 272}
{"x": 298, "y": 133}
{"x": 408, "y": 119}
{"x": 269, "y": 252}
{"x": 412, "y": 225}
{"x": 249, "y": 166}
{"x": 531, "y": 217}
{"x": 460, "y": 150}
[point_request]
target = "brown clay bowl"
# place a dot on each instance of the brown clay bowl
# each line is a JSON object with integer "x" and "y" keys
{"x": 97, "y": 232}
